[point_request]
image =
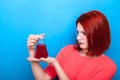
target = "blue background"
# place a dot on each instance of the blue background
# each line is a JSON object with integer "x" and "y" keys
{"x": 55, "y": 18}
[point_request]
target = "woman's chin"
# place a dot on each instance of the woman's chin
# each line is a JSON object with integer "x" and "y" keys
{"x": 83, "y": 47}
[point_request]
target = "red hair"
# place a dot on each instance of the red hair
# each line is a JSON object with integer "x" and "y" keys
{"x": 97, "y": 29}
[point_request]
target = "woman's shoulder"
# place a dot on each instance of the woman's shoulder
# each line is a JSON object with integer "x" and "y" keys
{"x": 108, "y": 59}
{"x": 108, "y": 62}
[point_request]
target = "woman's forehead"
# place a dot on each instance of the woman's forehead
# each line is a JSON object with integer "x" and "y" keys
{"x": 80, "y": 27}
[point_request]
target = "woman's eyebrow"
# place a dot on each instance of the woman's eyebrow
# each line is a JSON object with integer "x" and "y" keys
{"x": 83, "y": 32}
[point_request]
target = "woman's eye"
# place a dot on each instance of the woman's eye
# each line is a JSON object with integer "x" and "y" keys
{"x": 84, "y": 33}
{"x": 80, "y": 32}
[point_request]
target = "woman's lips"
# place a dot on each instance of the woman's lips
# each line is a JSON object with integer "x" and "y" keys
{"x": 80, "y": 43}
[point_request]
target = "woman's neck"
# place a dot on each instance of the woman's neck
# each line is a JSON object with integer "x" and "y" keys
{"x": 83, "y": 52}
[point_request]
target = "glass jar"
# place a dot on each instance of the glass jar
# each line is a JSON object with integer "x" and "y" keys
{"x": 41, "y": 50}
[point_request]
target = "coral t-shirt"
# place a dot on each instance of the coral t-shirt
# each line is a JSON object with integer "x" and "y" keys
{"x": 79, "y": 67}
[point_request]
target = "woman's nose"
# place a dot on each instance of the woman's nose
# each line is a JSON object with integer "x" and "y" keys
{"x": 79, "y": 37}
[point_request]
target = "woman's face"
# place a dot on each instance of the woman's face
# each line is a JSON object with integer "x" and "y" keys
{"x": 82, "y": 37}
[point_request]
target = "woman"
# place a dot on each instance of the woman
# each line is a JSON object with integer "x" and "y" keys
{"x": 83, "y": 61}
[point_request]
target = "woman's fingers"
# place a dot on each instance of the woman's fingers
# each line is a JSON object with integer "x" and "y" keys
{"x": 33, "y": 39}
{"x": 31, "y": 42}
{"x": 44, "y": 59}
{"x": 36, "y": 36}
{"x": 50, "y": 60}
{"x": 32, "y": 59}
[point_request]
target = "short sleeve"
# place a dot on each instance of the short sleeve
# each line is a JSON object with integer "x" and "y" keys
{"x": 50, "y": 70}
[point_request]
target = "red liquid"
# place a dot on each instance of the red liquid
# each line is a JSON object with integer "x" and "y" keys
{"x": 41, "y": 51}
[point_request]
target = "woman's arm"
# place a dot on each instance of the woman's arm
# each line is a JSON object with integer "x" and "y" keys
{"x": 38, "y": 72}
{"x": 61, "y": 74}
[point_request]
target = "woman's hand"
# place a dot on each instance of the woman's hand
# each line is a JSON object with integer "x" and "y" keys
{"x": 49, "y": 60}
{"x": 32, "y": 40}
